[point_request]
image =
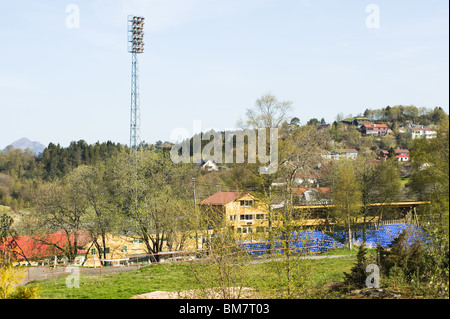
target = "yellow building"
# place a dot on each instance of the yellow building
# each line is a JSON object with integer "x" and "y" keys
{"x": 118, "y": 248}
{"x": 126, "y": 249}
{"x": 241, "y": 212}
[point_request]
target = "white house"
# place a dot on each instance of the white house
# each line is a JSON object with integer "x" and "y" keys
{"x": 347, "y": 153}
{"x": 422, "y": 132}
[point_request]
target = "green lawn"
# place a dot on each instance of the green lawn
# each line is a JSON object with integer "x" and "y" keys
{"x": 178, "y": 277}
{"x": 167, "y": 277}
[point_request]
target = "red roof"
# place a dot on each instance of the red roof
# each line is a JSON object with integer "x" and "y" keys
{"x": 221, "y": 198}
{"x": 375, "y": 125}
{"x": 397, "y": 151}
{"x": 33, "y": 246}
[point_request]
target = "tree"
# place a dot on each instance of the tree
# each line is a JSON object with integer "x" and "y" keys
{"x": 430, "y": 181}
{"x": 154, "y": 199}
{"x": 9, "y": 278}
{"x": 346, "y": 195}
{"x": 295, "y": 121}
{"x": 224, "y": 274}
{"x": 267, "y": 113}
{"x": 96, "y": 185}
{"x": 57, "y": 209}
{"x": 357, "y": 276}
{"x": 378, "y": 183}
{"x": 313, "y": 121}
{"x": 430, "y": 176}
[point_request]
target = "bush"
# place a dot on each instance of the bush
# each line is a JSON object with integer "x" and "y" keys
{"x": 25, "y": 293}
{"x": 357, "y": 276}
{"x": 410, "y": 258}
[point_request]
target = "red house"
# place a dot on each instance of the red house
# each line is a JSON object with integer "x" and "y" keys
{"x": 374, "y": 129}
{"x": 35, "y": 247}
{"x": 401, "y": 155}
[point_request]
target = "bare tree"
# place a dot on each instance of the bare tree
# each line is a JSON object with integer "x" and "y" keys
{"x": 57, "y": 209}
{"x": 267, "y": 113}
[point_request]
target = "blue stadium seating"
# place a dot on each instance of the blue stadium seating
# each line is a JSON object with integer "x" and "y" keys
{"x": 315, "y": 241}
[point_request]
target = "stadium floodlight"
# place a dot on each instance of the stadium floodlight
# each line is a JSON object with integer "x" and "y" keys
{"x": 135, "y": 46}
{"x": 136, "y": 34}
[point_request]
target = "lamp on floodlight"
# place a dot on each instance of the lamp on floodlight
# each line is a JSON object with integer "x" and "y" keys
{"x": 135, "y": 34}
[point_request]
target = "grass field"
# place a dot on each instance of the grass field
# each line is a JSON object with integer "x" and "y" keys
{"x": 179, "y": 277}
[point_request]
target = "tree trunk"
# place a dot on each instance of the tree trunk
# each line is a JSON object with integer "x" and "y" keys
{"x": 349, "y": 236}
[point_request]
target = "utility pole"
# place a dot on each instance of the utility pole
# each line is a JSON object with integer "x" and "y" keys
{"x": 195, "y": 214}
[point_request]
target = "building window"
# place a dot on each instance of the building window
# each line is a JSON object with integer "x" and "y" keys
{"x": 246, "y": 203}
{"x": 247, "y": 217}
{"x": 124, "y": 249}
{"x": 137, "y": 241}
{"x": 244, "y": 230}
{"x": 232, "y": 218}
{"x": 261, "y": 229}
{"x": 261, "y": 216}
{"x": 93, "y": 251}
{"x": 107, "y": 250}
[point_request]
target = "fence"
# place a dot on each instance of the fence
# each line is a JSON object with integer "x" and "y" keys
{"x": 304, "y": 243}
{"x": 34, "y": 273}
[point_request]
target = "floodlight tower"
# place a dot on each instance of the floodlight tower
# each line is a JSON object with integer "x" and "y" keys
{"x": 135, "y": 47}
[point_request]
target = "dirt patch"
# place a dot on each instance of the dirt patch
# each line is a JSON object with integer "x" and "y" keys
{"x": 216, "y": 293}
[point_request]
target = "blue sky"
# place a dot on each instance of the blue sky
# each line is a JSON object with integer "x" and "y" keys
{"x": 209, "y": 60}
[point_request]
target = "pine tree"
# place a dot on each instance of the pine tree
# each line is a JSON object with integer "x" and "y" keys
{"x": 357, "y": 276}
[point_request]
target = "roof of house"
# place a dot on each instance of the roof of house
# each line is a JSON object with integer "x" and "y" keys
{"x": 350, "y": 150}
{"x": 37, "y": 247}
{"x": 374, "y": 125}
{"x": 421, "y": 129}
{"x": 221, "y": 198}
{"x": 301, "y": 190}
{"x": 397, "y": 151}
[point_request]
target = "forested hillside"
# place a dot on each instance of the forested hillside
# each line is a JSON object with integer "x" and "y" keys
{"x": 21, "y": 172}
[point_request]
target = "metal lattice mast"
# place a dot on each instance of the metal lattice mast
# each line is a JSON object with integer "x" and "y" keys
{"x": 135, "y": 116}
{"x": 135, "y": 47}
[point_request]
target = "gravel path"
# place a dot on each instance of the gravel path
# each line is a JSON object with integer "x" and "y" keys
{"x": 41, "y": 273}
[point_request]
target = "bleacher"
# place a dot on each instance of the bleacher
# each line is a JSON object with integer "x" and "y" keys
{"x": 316, "y": 242}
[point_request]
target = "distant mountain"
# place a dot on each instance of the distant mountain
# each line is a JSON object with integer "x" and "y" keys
{"x": 24, "y": 143}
